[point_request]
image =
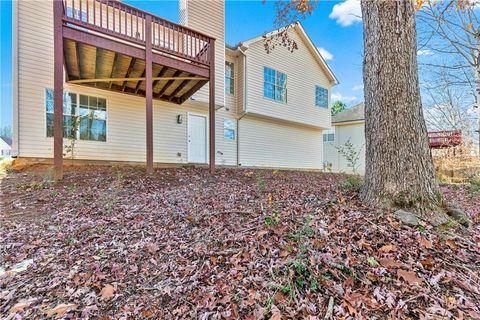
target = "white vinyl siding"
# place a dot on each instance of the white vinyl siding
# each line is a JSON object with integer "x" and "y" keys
{"x": 355, "y": 132}
{"x": 126, "y": 137}
{"x": 303, "y": 72}
{"x": 208, "y": 17}
{"x": 267, "y": 143}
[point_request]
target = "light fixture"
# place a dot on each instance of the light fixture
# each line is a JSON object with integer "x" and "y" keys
{"x": 180, "y": 119}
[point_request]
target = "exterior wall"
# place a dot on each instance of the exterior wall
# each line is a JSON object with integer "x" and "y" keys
{"x": 126, "y": 137}
{"x": 226, "y": 150}
{"x": 356, "y": 133}
{"x": 267, "y": 143}
{"x": 295, "y": 142}
{"x": 303, "y": 73}
{"x": 208, "y": 17}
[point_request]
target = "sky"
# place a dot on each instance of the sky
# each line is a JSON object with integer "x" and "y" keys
{"x": 334, "y": 27}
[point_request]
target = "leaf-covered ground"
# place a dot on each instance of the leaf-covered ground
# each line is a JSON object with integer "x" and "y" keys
{"x": 112, "y": 243}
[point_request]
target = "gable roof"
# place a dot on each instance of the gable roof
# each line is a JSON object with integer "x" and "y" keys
{"x": 7, "y": 140}
{"x": 313, "y": 49}
{"x": 355, "y": 113}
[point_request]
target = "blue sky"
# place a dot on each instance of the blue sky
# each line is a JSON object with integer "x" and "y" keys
{"x": 334, "y": 27}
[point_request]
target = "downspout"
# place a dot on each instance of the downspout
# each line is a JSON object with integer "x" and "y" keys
{"x": 15, "y": 106}
{"x": 244, "y": 100}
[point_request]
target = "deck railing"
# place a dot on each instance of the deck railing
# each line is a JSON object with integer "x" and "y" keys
{"x": 128, "y": 23}
{"x": 442, "y": 139}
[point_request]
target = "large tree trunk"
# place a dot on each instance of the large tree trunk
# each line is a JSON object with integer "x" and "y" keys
{"x": 399, "y": 167}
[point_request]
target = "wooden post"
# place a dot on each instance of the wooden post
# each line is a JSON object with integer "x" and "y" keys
{"x": 211, "y": 105}
{"x": 58, "y": 90}
{"x": 149, "y": 91}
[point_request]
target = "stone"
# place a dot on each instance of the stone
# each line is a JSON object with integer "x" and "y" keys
{"x": 460, "y": 216}
{"x": 407, "y": 218}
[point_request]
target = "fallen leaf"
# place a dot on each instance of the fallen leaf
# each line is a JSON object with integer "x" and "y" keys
{"x": 387, "y": 248}
{"x": 107, "y": 292}
{"x": 372, "y": 262}
{"x": 350, "y": 308}
{"x": 451, "y": 244}
{"x": 21, "y": 306}
{"x": 409, "y": 276}
{"x": 427, "y": 263}
{"x": 61, "y": 310}
{"x": 426, "y": 243}
{"x": 389, "y": 262}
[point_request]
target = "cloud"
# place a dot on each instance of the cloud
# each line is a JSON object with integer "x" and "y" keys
{"x": 357, "y": 87}
{"x": 325, "y": 54}
{"x": 337, "y": 96}
{"x": 425, "y": 52}
{"x": 347, "y": 12}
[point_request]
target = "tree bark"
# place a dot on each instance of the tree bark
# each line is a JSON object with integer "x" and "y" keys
{"x": 399, "y": 166}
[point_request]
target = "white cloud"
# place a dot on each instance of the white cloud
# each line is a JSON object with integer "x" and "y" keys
{"x": 357, "y": 87}
{"x": 325, "y": 54}
{"x": 337, "y": 96}
{"x": 347, "y": 12}
{"x": 425, "y": 52}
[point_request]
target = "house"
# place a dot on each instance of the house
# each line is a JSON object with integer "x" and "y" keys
{"x": 5, "y": 146}
{"x": 183, "y": 97}
{"x": 347, "y": 126}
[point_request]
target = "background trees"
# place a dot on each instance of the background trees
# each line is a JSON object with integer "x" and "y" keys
{"x": 338, "y": 106}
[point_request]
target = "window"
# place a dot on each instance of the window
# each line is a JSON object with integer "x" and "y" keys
{"x": 229, "y": 129}
{"x": 229, "y": 78}
{"x": 69, "y": 113}
{"x": 274, "y": 84}
{"x": 329, "y": 135}
{"x": 321, "y": 97}
{"x": 85, "y": 121}
{"x": 93, "y": 118}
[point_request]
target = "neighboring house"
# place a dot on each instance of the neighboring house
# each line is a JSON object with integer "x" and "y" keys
{"x": 5, "y": 146}
{"x": 270, "y": 109}
{"x": 348, "y": 125}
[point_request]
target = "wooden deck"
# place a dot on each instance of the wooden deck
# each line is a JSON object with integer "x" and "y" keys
{"x": 109, "y": 45}
{"x": 106, "y": 69}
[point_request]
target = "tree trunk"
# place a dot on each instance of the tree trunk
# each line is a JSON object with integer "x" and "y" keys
{"x": 399, "y": 166}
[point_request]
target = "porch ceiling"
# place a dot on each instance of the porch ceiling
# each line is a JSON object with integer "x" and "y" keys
{"x": 116, "y": 71}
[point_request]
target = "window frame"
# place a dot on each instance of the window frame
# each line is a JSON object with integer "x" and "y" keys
{"x": 275, "y": 85}
{"x": 231, "y": 77}
{"x": 317, "y": 104}
{"x": 229, "y": 129}
{"x": 327, "y": 134}
{"x": 77, "y": 113}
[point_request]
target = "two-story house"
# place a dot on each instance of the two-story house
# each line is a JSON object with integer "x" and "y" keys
{"x": 139, "y": 88}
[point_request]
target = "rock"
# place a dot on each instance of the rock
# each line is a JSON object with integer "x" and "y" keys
{"x": 407, "y": 218}
{"x": 460, "y": 216}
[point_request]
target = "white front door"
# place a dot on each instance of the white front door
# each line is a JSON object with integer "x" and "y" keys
{"x": 197, "y": 138}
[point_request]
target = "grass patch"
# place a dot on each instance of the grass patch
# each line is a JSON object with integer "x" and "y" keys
{"x": 352, "y": 183}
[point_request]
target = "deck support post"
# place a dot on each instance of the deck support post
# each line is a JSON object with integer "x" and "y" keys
{"x": 149, "y": 91}
{"x": 58, "y": 90}
{"x": 211, "y": 106}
